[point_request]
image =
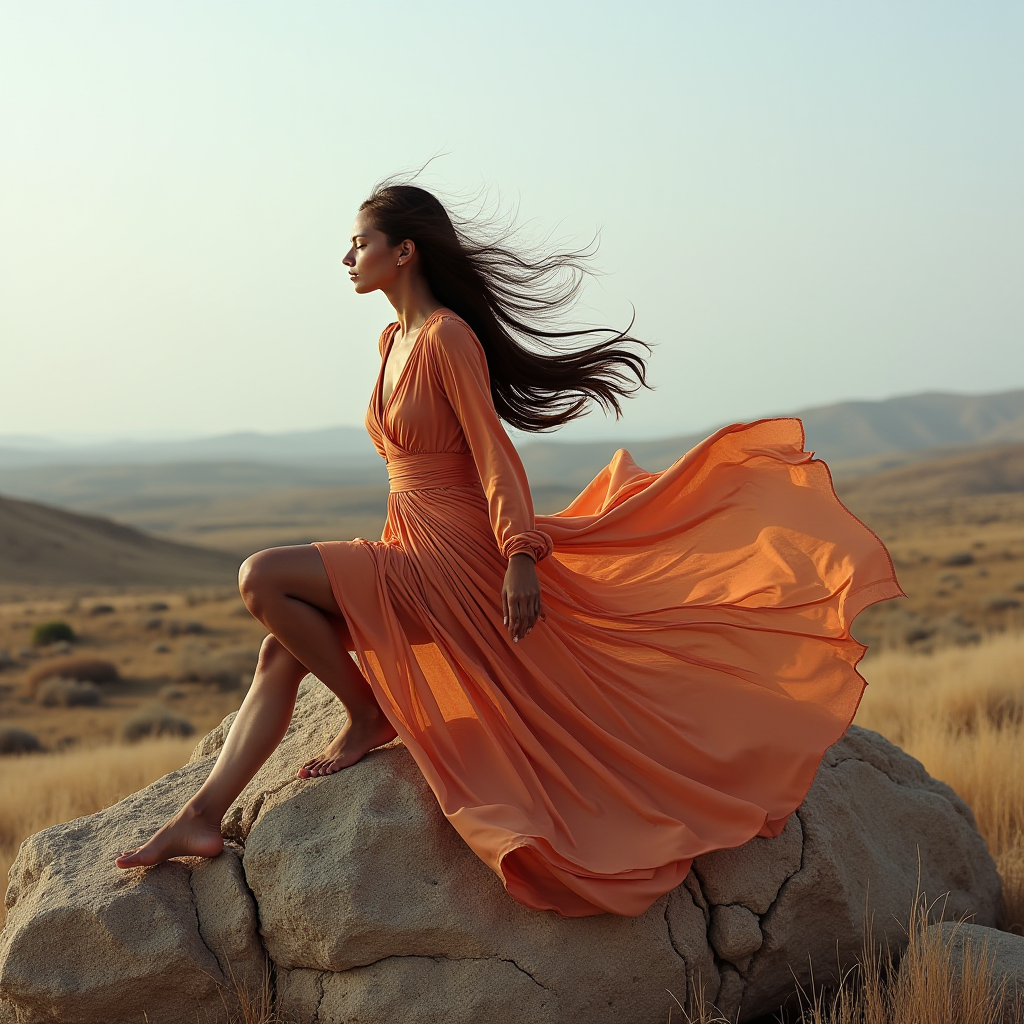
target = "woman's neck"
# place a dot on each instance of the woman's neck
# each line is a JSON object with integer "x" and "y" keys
{"x": 413, "y": 301}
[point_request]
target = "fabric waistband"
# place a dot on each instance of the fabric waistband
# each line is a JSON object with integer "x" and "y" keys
{"x": 433, "y": 469}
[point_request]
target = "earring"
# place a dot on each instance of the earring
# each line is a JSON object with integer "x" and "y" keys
{"x": 399, "y": 263}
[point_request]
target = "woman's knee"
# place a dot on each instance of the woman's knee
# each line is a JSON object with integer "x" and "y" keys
{"x": 255, "y": 580}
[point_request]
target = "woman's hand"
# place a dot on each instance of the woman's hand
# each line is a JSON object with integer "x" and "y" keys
{"x": 520, "y": 596}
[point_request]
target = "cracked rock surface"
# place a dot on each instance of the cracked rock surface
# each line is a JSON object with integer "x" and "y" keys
{"x": 371, "y": 909}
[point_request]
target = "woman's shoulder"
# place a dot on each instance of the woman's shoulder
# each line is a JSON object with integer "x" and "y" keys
{"x": 451, "y": 333}
{"x": 384, "y": 335}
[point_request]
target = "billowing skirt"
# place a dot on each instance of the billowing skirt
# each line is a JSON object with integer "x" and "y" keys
{"x": 694, "y": 665}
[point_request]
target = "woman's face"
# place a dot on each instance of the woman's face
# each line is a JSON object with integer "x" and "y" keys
{"x": 372, "y": 262}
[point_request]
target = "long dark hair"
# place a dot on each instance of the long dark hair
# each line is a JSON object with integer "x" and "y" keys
{"x": 512, "y": 300}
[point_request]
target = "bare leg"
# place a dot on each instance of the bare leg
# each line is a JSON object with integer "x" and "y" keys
{"x": 287, "y": 589}
{"x": 258, "y": 728}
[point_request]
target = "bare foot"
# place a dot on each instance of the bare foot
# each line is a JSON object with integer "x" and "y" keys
{"x": 358, "y": 737}
{"x": 187, "y": 834}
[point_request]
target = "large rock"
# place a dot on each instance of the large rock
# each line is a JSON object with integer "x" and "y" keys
{"x": 371, "y": 908}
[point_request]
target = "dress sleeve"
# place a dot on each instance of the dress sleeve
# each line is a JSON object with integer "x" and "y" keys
{"x": 462, "y": 366}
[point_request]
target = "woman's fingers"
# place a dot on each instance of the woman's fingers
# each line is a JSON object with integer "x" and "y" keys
{"x": 524, "y": 613}
{"x": 520, "y": 613}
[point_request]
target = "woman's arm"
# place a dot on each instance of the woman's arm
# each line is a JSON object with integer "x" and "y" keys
{"x": 463, "y": 371}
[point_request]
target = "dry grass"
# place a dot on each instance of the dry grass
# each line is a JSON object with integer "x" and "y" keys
{"x": 928, "y": 985}
{"x": 39, "y": 790}
{"x": 960, "y": 712}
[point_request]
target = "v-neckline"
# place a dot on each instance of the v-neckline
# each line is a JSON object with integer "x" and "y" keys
{"x": 383, "y": 406}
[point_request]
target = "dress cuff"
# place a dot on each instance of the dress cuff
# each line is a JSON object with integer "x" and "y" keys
{"x": 534, "y": 543}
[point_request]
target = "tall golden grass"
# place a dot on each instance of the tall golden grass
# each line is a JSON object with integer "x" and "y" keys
{"x": 960, "y": 712}
{"x": 39, "y": 790}
{"x": 929, "y": 985}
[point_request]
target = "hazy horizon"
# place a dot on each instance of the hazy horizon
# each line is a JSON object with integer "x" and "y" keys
{"x": 804, "y": 204}
{"x": 85, "y": 440}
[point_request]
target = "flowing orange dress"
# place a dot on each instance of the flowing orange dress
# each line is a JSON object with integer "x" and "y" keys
{"x": 696, "y": 660}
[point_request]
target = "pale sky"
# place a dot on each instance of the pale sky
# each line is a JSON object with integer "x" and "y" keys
{"x": 805, "y": 201}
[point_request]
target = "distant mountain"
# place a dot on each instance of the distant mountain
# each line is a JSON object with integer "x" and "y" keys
{"x": 234, "y": 464}
{"x": 841, "y": 434}
{"x": 849, "y": 430}
{"x": 334, "y": 446}
{"x": 48, "y": 546}
{"x": 123, "y": 490}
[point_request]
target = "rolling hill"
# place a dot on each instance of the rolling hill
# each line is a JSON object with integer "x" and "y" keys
{"x": 980, "y": 471}
{"x": 48, "y": 546}
{"x": 228, "y": 478}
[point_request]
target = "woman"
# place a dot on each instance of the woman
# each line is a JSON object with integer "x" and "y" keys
{"x": 594, "y": 697}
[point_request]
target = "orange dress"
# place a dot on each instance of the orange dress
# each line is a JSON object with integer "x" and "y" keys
{"x": 696, "y": 660}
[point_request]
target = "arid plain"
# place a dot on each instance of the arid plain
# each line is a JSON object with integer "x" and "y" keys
{"x": 159, "y": 609}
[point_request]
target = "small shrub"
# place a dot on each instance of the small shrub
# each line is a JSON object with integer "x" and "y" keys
{"x": 67, "y": 693}
{"x": 227, "y": 669}
{"x": 102, "y": 609}
{"x": 18, "y": 741}
{"x": 1001, "y": 603}
{"x": 1018, "y": 585}
{"x": 172, "y": 692}
{"x": 176, "y": 628}
{"x": 155, "y": 606}
{"x": 83, "y": 670}
{"x": 52, "y": 632}
{"x": 917, "y": 634}
{"x": 959, "y": 558}
{"x": 155, "y": 721}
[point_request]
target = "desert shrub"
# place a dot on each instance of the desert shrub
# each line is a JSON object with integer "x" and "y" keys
{"x": 1001, "y": 603}
{"x": 67, "y": 693}
{"x": 155, "y": 606}
{"x": 228, "y": 668}
{"x": 102, "y": 609}
{"x": 918, "y": 633}
{"x": 155, "y": 721}
{"x": 84, "y": 670}
{"x": 176, "y": 628}
{"x": 18, "y": 741}
{"x": 6, "y": 661}
{"x": 172, "y": 692}
{"x": 52, "y": 632}
{"x": 959, "y": 558}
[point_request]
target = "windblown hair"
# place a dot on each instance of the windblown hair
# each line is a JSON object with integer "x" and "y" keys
{"x": 513, "y": 301}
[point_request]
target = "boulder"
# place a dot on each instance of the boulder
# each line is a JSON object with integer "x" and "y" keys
{"x": 369, "y": 907}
